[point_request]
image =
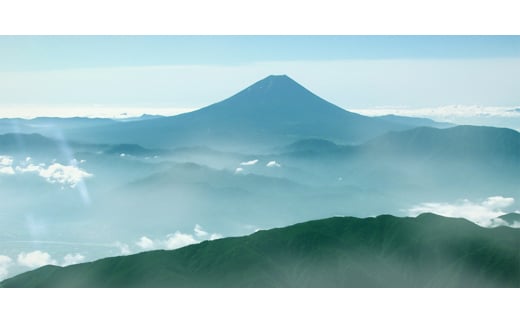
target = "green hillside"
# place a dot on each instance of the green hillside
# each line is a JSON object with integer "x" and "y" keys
{"x": 386, "y": 251}
{"x": 511, "y": 218}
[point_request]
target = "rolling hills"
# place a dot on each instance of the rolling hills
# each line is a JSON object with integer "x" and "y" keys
{"x": 385, "y": 251}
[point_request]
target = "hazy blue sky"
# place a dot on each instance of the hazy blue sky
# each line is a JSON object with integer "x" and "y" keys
{"x": 44, "y": 75}
{"x": 31, "y": 53}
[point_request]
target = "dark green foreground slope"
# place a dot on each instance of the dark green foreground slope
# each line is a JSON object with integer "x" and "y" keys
{"x": 427, "y": 251}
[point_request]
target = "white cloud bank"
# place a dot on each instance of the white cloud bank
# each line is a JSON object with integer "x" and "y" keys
{"x": 177, "y": 240}
{"x": 6, "y": 160}
{"x": 445, "y": 112}
{"x": 145, "y": 243}
{"x": 239, "y": 170}
{"x": 5, "y": 263}
{"x": 38, "y": 258}
{"x": 7, "y": 170}
{"x": 498, "y": 116}
{"x": 124, "y": 249}
{"x": 72, "y": 259}
{"x": 35, "y": 259}
{"x": 199, "y": 232}
{"x": 57, "y": 173}
{"x": 483, "y": 213}
{"x": 249, "y": 163}
{"x": 6, "y": 165}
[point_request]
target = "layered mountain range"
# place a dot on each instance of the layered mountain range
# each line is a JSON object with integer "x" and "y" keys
{"x": 272, "y": 155}
{"x": 273, "y": 111}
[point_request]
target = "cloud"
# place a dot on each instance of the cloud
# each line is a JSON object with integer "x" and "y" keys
{"x": 239, "y": 170}
{"x": 124, "y": 249}
{"x": 498, "y": 202}
{"x": 5, "y": 263}
{"x": 6, "y": 163}
{"x": 7, "y": 170}
{"x": 215, "y": 236}
{"x": 35, "y": 259}
{"x": 6, "y": 160}
{"x": 57, "y": 173}
{"x": 273, "y": 163}
{"x": 199, "y": 232}
{"x": 251, "y": 228}
{"x": 178, "y": 240}
{"x": 483, "y": 213}
{"x": 444, "y": 112}
{"x": 29, "y": 168}
{"x": 249, "y": 163}
{"x": 499, "y": 116}
{"x": 122, "y": 155}
{"x": 145, "y": 243}
{"x": 72, "y": 259}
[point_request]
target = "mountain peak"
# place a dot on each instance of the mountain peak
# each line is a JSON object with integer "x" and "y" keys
{"x": 276, "y": 93}
{"x": 280, "y": 76}
{"x": 275, "y": 84}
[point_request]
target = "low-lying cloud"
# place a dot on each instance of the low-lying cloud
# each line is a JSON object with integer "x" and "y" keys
{"x": 445, "y": 112}
{"x": 499, "y": 116}
{"x": 5, "y": 263}
{"x": 483, "y": 213}
{"x": 58, "y": 173}
{"x": 199, "y": 232}
{"x": 6, "y": 170}
{"x": 249, "y": 163}
{"x": 38, "y": 258}
{"x": 177, "y": 240}
{"x": 124, "y": 249}
{"x": 273, "y": 163}
{"x": 6, "y": 160}
{"x": 72, "y": 259}
{"x": 145, "y": 243}
{"x": 215, "y": 236}
{"x": 6, "y": 165}
{"x": 35, "y": 259}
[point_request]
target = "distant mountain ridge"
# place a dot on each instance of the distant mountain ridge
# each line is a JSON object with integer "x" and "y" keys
{"x": 462, "y": 141}
{"x": 274, "y": 111}
{"x": 427, "y": 251}
{"x": 416, "y": 122}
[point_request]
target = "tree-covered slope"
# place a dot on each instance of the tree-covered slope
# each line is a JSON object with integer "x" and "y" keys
{"x": 386, "y": 251}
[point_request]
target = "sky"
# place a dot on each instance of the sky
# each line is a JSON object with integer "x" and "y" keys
{"x": 113, "y": 75}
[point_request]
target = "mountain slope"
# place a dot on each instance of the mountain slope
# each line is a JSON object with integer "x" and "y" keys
{"x": 427, "y": 251}
{"x": 416, "y": 122}
{"x": 421, "y": 164}
{"x": 511, "y": 218}
{"x": 463, "y": 143}
{"x": 273, "y": 111}
{"x": 459, "y": 141}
